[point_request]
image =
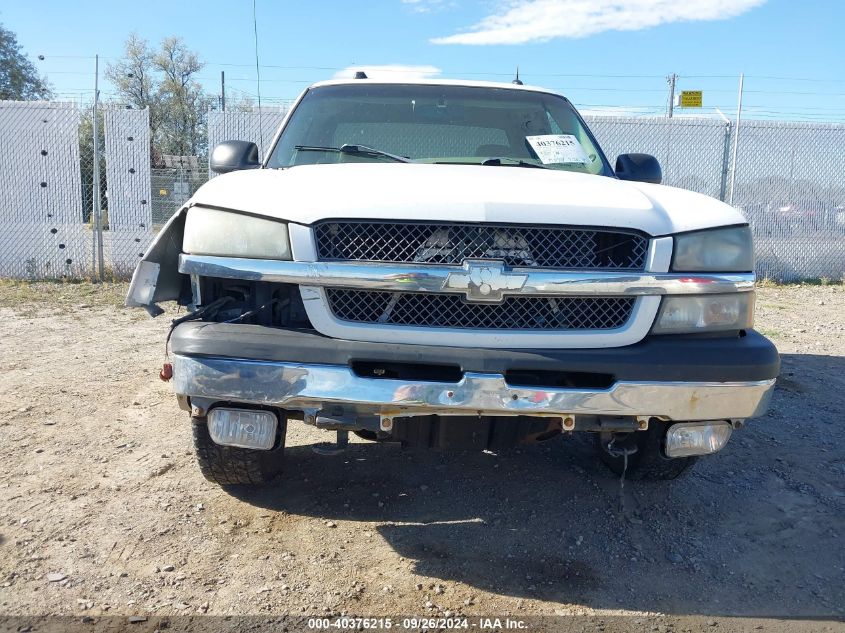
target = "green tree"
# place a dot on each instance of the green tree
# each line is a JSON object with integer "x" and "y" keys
{"x": 134, "y": 78}
{"x": 182, "y": 97}
{"x": 19, "y": 80}
{"x": 164, "y": 81}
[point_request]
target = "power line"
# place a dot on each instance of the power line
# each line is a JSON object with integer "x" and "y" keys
{"x": 48, "y": 56}
{"x": 769, "y": 78}
{"x": 259, "y": 81}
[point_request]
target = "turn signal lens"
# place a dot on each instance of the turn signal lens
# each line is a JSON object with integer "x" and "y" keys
{"x": 705, "y": 313}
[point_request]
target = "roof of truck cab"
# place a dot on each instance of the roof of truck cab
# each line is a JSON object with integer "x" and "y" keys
{"x": 433, "y": 82}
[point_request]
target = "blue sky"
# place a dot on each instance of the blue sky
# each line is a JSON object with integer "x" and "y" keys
{"x": 605, "y": 55}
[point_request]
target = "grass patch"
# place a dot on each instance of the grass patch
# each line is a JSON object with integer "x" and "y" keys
{"x": 818, "y": 281}
{"x": 20, "y": 295}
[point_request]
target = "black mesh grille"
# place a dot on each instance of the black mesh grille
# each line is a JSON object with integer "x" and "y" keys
{"x": 530, "y": 246}
{"x": 451, "y": 311}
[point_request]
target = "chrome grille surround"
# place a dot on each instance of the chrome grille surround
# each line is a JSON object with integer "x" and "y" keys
{"x": 523, "y": 246}
{"x": 315, "y": 278}
{"x": 532, "y": 246}
{"x": 451, "y": 311}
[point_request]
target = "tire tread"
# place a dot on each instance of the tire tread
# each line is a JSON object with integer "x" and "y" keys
{"x": 230, "y": 466}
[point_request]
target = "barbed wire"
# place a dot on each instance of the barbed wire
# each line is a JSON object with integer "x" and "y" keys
{"x": 525, "y": 70}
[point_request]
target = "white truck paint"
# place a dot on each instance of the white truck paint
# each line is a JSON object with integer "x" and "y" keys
{"x": 466, "y": 192}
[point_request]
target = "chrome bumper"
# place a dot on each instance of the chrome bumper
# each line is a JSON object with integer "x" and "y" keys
{"x": 312, "y": 388}
{"x": 453, "y": 279}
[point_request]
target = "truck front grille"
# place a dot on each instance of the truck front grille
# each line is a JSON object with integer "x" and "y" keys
{"x": 450, "y": 311}
{"x": 443, "y": 243}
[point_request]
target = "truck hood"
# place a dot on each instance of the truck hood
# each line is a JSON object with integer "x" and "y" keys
{"x": 470, "y": 193}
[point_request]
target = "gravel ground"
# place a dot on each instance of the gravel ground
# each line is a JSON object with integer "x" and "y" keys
{"x": 104, "y": 512}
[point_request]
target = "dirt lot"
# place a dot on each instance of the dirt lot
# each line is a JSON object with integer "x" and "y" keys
{"x": 104, "y": 512}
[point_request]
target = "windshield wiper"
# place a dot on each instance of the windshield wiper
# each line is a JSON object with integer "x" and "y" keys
{"x": 355, "y": 150}
{"x": 495, "y": 161}
{"x": 512, "y": 162}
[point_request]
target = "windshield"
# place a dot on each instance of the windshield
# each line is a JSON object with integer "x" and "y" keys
{"x": 437, "y": 124}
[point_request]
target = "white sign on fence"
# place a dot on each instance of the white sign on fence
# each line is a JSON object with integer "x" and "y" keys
{"x": 41, "y": 192}
{"x": 127, "y": 145}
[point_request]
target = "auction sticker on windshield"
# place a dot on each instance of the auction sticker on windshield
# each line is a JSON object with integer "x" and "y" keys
{"x": 557, "y": 149}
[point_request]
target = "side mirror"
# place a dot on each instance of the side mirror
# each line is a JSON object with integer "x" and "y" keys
{"x": 639, "y": 167}
{"x": 234, "y": 155}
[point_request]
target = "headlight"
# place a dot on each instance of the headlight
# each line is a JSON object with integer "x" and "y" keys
{"x": 716, "y": 250}
{"x": 705, "y": 313}
{"x": 229, "y": 234}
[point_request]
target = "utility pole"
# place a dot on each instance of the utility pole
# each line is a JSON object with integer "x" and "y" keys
{"x": 671, "y": 79}
{"x": 257, "y": 77}
{"x": 223, "y": 90}
{"x": 98, "y": 212}
{"x": 736, "y": 141}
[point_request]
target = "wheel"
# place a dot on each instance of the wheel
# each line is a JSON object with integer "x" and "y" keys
{"x": 648, "y": 462}
{"x": 227, "y": 465}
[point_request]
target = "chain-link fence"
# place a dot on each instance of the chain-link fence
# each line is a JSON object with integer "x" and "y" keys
{"x": 256, "y": 126}
{"x": 791, "y": 186}
{"x": 171, "y": 187}
{"x": 788, "y": 183}
{"x": 693, "y": 153}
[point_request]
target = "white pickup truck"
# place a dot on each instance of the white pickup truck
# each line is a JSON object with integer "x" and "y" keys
{"x": 454, "y": 265}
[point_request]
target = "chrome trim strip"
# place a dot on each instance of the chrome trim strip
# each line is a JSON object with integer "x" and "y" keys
{"x": 303, "y": 387}
{"x": 433, "y": 278}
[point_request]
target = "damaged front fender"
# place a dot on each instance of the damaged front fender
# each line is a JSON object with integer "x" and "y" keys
{"x": 157, "y": 277}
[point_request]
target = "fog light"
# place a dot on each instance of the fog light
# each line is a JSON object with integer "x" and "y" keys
{"x": 244, "y": 428}
{"x": 697, "y": 438}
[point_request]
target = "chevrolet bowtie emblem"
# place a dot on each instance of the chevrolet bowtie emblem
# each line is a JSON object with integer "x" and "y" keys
{"x": 484, "y": 280}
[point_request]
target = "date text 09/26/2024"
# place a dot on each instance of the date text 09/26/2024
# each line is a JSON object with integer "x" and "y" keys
{"x": 417, "y": 623}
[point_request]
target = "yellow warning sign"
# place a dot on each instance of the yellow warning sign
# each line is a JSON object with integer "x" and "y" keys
{"x": 691, "y": 99}
{"x": 162, "y": 192}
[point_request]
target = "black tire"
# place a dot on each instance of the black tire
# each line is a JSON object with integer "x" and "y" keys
{"x": 230, "y": 466}
{"x": 649, "y": 462}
